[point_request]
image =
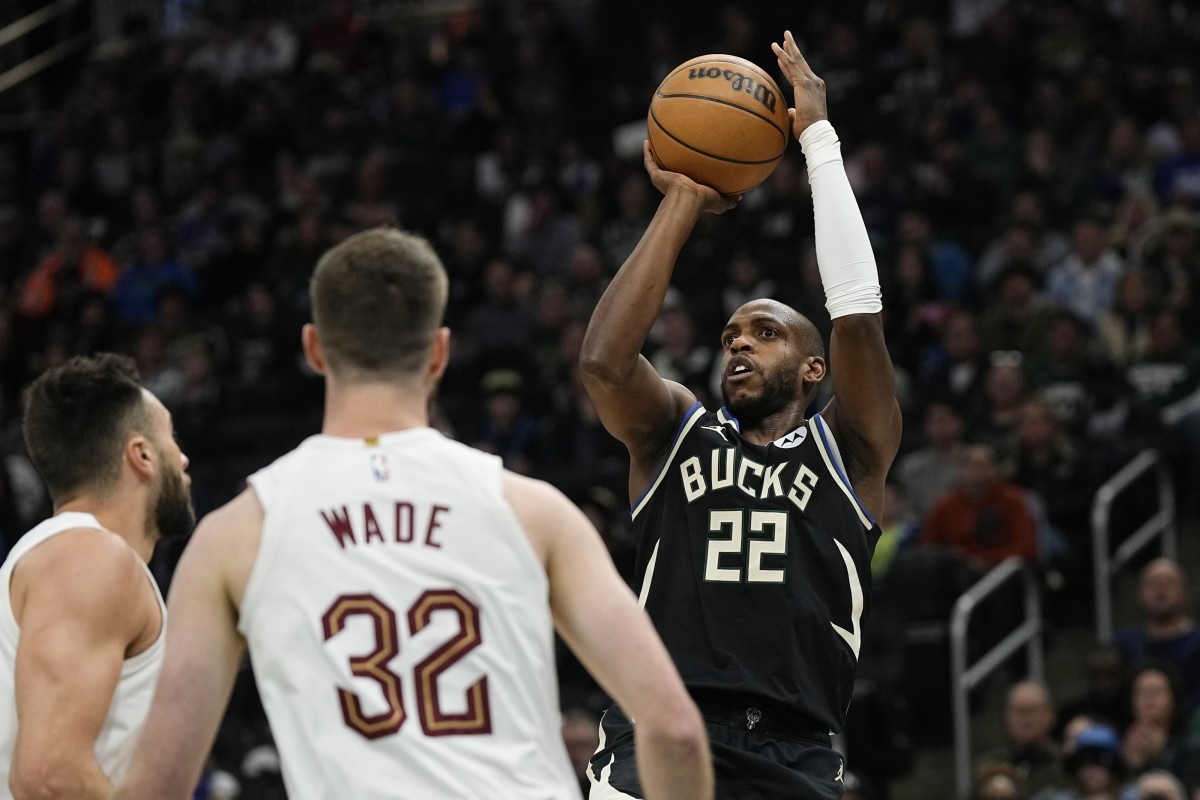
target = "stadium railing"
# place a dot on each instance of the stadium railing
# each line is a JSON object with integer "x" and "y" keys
{"x": 1107, "y": 564}
{"x": 965, "y": 677}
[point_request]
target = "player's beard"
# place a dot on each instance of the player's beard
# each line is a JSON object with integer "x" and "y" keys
{"x": 171, "y": 507}
{"x": 778, "y": 390}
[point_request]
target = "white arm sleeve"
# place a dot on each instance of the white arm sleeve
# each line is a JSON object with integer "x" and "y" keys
{"x": 844, "y": 254}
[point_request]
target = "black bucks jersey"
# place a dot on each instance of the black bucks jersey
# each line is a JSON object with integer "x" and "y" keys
{"x": 754, "y": 564}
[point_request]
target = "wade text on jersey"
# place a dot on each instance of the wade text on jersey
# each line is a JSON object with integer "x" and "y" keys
{"x": 402, "y": 522}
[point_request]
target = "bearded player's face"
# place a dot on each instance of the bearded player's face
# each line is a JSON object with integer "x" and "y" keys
{"x": 760, "y": 363}
{"x": 170, "y": 512}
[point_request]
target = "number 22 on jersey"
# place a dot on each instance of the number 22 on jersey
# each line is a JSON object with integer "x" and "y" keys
{"x": 729, "y": 525}
{"x": 476, "y": 719}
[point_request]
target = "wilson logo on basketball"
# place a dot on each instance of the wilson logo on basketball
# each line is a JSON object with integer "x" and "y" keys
{"x": 738, "y": 82}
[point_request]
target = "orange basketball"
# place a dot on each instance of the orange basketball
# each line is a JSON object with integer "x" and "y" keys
{"x": 721, "y": 121}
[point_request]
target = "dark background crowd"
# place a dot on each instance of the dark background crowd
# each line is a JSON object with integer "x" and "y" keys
{"x": 1029, "y": 173}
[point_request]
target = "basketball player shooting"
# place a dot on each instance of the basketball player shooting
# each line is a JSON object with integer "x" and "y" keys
{"x": 755, "y": 525}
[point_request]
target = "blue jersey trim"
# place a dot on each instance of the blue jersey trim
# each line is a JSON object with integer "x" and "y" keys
{"x": 836, "y": 459}
{"x": 666, "y": 456}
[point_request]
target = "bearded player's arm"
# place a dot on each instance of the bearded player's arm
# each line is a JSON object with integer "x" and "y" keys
{"x": 863, "y": 415}
{"x": 635, "y": 404}
{"x": 82, "y": 606}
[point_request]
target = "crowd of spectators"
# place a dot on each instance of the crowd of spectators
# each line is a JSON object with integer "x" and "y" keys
{"x": 1133, "y": 732}
{"x": 1029, "y": 173}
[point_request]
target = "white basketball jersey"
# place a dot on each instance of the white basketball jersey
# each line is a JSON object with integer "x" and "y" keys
{"x": 398, "y": 623}
{"x": 135, "y": 687}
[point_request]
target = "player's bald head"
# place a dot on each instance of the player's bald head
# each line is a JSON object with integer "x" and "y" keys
{"x": 801, "y": 326}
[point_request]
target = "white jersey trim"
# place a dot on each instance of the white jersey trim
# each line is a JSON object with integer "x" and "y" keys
{"x": 649, "y": 575}
{"x": 833, "y": 460}
{"x": 696, "y": 413}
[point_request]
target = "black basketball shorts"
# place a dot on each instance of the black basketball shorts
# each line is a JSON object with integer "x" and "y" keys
{"x": 766, "y": 761}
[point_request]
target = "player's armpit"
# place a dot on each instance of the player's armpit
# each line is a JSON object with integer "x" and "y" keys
{"x": 204, "y": 651}
{"x": 642, "y": 411}
{"x": 82, "y": 605}
{"x": 599, "y": 618}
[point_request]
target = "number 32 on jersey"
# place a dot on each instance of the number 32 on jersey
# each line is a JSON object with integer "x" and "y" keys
{"x": 476, "y": 719}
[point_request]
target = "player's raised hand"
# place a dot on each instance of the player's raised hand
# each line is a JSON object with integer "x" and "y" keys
{"x": 809, "y": 90}
{"x": 712, "y": 201}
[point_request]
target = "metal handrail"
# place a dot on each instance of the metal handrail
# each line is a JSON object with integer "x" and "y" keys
{"x": 964, "y": 678}
{"x": 34, "y": 19}
{"x": 34, "y": 64}
{"x": 1105, "y": 565}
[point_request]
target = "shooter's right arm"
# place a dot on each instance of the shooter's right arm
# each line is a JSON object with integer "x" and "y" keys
{"x": 634, "y": 402}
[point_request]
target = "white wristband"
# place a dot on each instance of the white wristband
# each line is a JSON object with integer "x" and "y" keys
{"x": 844, "y": 255}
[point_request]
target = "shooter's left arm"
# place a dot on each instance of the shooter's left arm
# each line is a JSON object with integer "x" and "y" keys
{"x": 863, "y": 414}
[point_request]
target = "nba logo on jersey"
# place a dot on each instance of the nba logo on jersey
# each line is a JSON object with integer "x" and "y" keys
{"x": 379, "y": 466}
{"x": 793, "y": 439}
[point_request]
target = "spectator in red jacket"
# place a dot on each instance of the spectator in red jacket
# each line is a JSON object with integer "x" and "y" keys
{"x": 985, "y": 520}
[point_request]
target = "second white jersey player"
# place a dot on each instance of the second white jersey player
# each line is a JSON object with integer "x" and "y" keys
{"x": 396, "y": 617}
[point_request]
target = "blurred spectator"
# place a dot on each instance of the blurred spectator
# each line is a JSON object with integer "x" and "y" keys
{"x": 76, "y": 265}
{"x": 136, "y": 292}
{"x": 1094, "y": 767}
{"x": 1172, "y": 255}
{"x": 506, "y": 427}
{"x": 1085, "y": 282}
{"x": 1102, "y": 698}
{"x": 1155, "y": 718}
{"x": 930, "y": 472}
{"x": 744, "y": 281}
{"x": 1169, "y": 369}
{"x": 264, "y": 352}
{"x": 898, "y": 528}
{"x": 1044, "y": 460}
{"x": 985, "y": 520}
{"x": 295, "y": 256}
{"x": 501, "y": 323}
{"x": 915, "y": 314}
{"x": 541, "y": 234}
{"x": 1158, "y": 784}
{"x": 1177, "y": 179}
{"x": 371, "y": 205}
{"x": 678, "y": 356}
{"x": 1030, "y": 747}
{"x": 1167, "y": 631}
{"x": 998, "y": 781}
{"x": 995, "y": 419}
{"x": 961, "y": 373}
{"x": 1124, "y": 330}
{"x": 949, "y": 261}
{"x": 1059, "y": 375}
{"x": 1027, "y": 241}
{"x": 1017, "y": 317}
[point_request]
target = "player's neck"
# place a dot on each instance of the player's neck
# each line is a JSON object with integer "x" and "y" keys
{"x": 360, "y": 411}
{"x": 120, "y": 513}
{"x": 772, "y": 426}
